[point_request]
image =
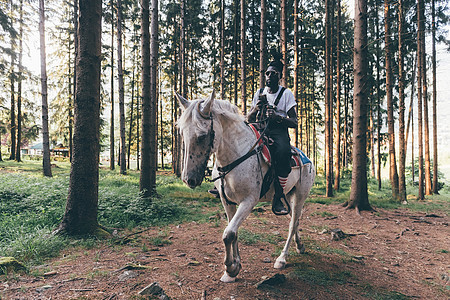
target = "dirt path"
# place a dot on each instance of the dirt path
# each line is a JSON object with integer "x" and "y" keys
{"x": 389, "y": 255}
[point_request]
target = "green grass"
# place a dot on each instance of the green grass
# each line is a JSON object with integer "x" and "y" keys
{"x": 247, "y": 237}
{"x": 31, "y": 206}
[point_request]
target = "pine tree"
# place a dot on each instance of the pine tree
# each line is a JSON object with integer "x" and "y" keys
{"x": 47, "y": 170}
{"x": 359, "y": 194}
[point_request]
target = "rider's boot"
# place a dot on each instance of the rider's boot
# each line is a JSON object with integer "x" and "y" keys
{"x": 278, "y": 207}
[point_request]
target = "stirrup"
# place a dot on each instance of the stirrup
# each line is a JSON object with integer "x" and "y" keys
{"x": 284, "y": 210}
{"x": 214, "y": 192}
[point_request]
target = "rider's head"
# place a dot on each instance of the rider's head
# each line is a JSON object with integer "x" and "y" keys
{"x": 274, "y": 72}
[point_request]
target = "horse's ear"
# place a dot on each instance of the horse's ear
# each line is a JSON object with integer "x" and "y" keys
{"x": 184, "y": 103}
{"x": 206, "y": 108}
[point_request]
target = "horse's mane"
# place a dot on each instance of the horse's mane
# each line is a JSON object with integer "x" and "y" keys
{"x": 221, "y": 108}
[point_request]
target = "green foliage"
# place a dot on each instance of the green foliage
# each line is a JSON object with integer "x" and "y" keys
{"x": 409, "y": 173}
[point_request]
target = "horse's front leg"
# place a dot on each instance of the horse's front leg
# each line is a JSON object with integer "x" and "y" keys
{"x": 232, "y": 259}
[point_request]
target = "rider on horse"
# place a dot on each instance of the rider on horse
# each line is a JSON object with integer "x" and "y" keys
{"x": 280, "y": 110}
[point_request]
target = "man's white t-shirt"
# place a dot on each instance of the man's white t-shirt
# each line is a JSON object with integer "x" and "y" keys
{"x": 287, "y": 100}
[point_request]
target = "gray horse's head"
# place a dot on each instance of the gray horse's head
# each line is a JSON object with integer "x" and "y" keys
{"x": 197, "y": 131}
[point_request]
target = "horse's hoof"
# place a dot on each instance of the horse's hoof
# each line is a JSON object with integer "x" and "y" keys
{"x": 279, "y": 264}
{"x": 301, "y": 249}
{"x": 227, "y": 278}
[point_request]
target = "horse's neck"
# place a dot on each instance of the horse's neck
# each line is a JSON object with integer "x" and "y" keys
{"x": 237, "y": 139}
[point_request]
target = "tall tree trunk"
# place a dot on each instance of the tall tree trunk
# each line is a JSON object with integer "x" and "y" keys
{"x": 80, "y": 217}
{"x": 358, "y": 195}
{"x": 283, "y": 43}
{"x": 296, "y": 18}
{"x": 75, "y": 43}
{"x": 183, "y": 60}
{"x": 435, "y": 146}
{"x": 111, "y": 128}
{"x": 12, "y": 78}
{"x": 346, "y": 104}
{"x": 390, "y": 105}
{"x": 379, "y": 100}
{"x": 130, "y": 129}
{"x": 183, "y": 73}
{"x": 420, "y": 27}
{"x": 19, "y": 87}
{"x": 161, "y": 119}
{"x": 146, "y": 183}
{"x": 222, "y": 49}
{"x": 47, "y": 170}
{"x": 154, "y": 49}
{"x": 138, "y": 118}
{"x": 337, "y": 146}
{"x": 176, "y": 150}
{"x": 235, "y": 52}
{"x": 328, "y": 102}
{"x": 123, "y": 149}
{"x": 428, "y": 188}
{"x": 262, "y": 44}
{"x": 401, "y": 96}
{"x": 243, "y": 56}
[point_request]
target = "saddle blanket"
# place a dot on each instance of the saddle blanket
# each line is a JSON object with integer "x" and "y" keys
{"x": 298, "y": 157}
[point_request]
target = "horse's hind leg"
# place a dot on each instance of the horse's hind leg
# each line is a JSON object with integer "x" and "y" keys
{"x": 298, "y": 241}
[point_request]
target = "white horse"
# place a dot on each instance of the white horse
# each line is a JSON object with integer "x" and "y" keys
{"x": 216, "y": 126}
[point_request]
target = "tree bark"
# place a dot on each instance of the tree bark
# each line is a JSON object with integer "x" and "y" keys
{"x": 47, "y": 170}
{"x": 243, "y": 62}
{"x": 359, "y": 195}
{"x": 80, "y": 217}
{"x": 401, "y": 96}
{"x": 283, "y": 43}
{"x": 296, "y": 18}
{"x": 420, "y": 28}
{"x": 123, "y": 163}
{"x": 145, "y": 182}
{"x": 111, "y": 128}
{"x": 337, "y": 145}
{"x": 75, "y": 43}
{"x": 393, "y": 175}
{"x": 19, "y": 87}
{"x": 379, "y": 101}
{"x": 435, "y": 145}
{"x": 222, "y": 49}
{"x": 12, "y": 78}
{"x": 262, "y": 44}
{"x": 428, "y": 188}
{"x": 154, "y": 48}
{"x": 328, "y": 102}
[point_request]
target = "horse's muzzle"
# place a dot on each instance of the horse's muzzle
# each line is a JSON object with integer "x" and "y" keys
{"x": 193, "y": 181}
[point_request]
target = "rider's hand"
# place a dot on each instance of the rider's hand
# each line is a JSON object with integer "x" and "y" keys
{"x": 273, "y": 115}
{"x": 260, "y": 104}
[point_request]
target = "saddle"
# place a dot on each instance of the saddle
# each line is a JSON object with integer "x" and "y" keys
{"x": 298, "y": 158}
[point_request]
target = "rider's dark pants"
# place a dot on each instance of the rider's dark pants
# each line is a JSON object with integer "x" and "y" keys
{"x": 280, "y": 150}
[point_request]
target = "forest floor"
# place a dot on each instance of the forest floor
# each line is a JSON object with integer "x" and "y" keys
{"x": 388, "y": 254}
